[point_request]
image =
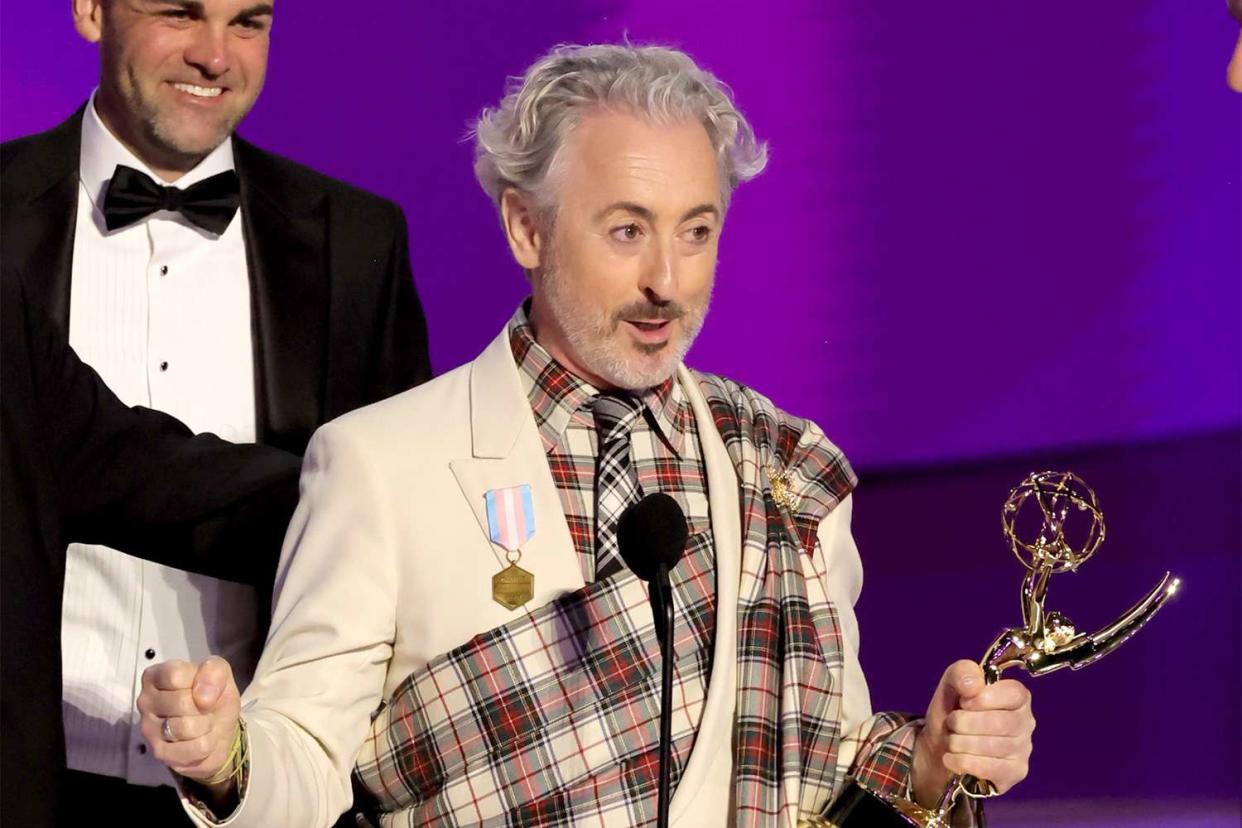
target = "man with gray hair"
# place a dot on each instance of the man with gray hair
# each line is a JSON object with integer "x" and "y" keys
{"x": 454, "y": 627}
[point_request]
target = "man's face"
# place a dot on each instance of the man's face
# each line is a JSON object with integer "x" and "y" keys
{"x": 627, "y": 271}
{"x": 176, "y": 76}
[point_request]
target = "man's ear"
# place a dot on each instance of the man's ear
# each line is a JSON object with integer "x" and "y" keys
{"x": 88, "y": 19}
{"x": 519, "y": 216}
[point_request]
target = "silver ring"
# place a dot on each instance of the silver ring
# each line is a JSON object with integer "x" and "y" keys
{"x": 166, "y": 731}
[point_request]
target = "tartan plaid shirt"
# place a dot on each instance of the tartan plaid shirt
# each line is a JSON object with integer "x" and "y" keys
{"x": 664, "y": 442}
{"x": 552, "y": 719}
{"x": 666, "y": 457}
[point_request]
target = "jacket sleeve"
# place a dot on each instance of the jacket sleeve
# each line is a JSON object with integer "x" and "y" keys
{"x": 877, "y": 749}
{"x": 322, "y": 671}
{"x": 140, "y": 481}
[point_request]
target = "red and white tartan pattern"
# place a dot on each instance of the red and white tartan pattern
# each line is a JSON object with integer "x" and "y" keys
{"x": 664, "y": 447}
{"x": 791, "y": 756}
{"x": 552, "y": 719}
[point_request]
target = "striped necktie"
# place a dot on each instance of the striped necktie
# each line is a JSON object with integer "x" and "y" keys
{"x": 616, "y": 484}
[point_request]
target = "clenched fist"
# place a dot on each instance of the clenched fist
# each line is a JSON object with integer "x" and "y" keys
{"x": 190, "y": 715}
{"x": 983, "y": 730}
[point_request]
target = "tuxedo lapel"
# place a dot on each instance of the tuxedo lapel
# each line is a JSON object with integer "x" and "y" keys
{"x": 40, "y": 205}
{"x": 285, "y": 228}
{"x": 507, "y": 451}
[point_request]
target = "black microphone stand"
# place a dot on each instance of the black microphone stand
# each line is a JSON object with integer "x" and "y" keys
{"x": 662, "y": 604}
{"x": 651, "y": 537}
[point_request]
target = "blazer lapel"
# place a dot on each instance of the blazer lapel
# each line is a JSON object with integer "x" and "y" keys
{"x": 507, "y": 451}
{"x": 716, "y": 723}
{"x": 285, "y": 228}
{"x": 41, "y": 205}
{"x": 722, "y": 482}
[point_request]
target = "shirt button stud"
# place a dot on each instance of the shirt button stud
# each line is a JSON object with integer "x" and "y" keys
{"x": 150, "y": 654}
{"x": 163, "y": 366}
{"x": 142, "y": 749}
{"x": 163, "y": 270}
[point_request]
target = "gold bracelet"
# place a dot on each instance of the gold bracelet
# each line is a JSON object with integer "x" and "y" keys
{"x": 233, "y": 764}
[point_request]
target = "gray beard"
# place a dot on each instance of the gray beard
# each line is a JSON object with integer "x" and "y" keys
{"x": 592, "y": 339}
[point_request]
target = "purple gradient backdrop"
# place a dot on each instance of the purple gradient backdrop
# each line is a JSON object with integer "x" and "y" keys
{"x": 984, "y": 228}
{"x": 988, "y": 231}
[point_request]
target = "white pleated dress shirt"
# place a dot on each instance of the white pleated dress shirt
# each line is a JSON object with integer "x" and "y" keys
{"x": 161, "y": 309}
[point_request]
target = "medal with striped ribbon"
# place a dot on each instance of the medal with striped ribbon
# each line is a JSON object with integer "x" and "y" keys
{"x": 511, "y": 523}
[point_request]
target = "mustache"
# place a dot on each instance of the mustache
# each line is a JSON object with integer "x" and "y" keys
{"x": 648, "y": 310}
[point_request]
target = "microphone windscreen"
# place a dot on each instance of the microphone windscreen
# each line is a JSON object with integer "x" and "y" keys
{"x": 651, "y": 532}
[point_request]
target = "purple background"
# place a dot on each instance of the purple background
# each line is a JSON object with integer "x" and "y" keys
{"x": 992, "y": 237}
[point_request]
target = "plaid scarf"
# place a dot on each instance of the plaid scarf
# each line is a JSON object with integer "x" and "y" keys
{"x": 792, "y": 757}
{"x": 553, "y": 718}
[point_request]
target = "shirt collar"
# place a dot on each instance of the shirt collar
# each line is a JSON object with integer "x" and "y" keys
{"x": 558, "y": 396}
{"x": 102, "y": 152}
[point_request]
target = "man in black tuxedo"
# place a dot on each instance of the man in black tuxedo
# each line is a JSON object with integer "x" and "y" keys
{"x": 240, "y": 292}
{"x": 77, "y": 464}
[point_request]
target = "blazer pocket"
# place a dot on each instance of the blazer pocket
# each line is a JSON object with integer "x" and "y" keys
{"x": 538, "y": 695}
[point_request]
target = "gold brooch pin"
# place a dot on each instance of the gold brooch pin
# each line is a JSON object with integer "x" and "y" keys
{"x": 782, "y": 488}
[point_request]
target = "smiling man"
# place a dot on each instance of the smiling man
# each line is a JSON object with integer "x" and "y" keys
{"x": 199, "y": 275}
{"x": 454, "y": 627}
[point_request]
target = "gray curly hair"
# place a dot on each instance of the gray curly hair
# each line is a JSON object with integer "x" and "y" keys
{"x": 516, "y": 144}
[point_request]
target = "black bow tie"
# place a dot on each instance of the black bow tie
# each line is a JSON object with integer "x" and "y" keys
{"x": 132, "y": 196}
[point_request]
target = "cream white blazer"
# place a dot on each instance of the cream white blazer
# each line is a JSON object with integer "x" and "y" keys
{"x": 388, "y": 563}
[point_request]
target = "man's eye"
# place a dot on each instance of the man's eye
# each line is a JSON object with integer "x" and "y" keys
{"x": 701, "y": 233}
{"x": 628, "y": 232}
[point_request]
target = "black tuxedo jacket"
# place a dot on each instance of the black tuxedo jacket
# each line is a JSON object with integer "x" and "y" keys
{"x": 336, "y": 320}
{"x": 336, "y": 325}
{"x": 78, "y": 465}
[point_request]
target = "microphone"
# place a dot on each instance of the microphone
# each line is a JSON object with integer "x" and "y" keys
{"x": 652, "y": 537}
{"x": 652, "y": 534}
